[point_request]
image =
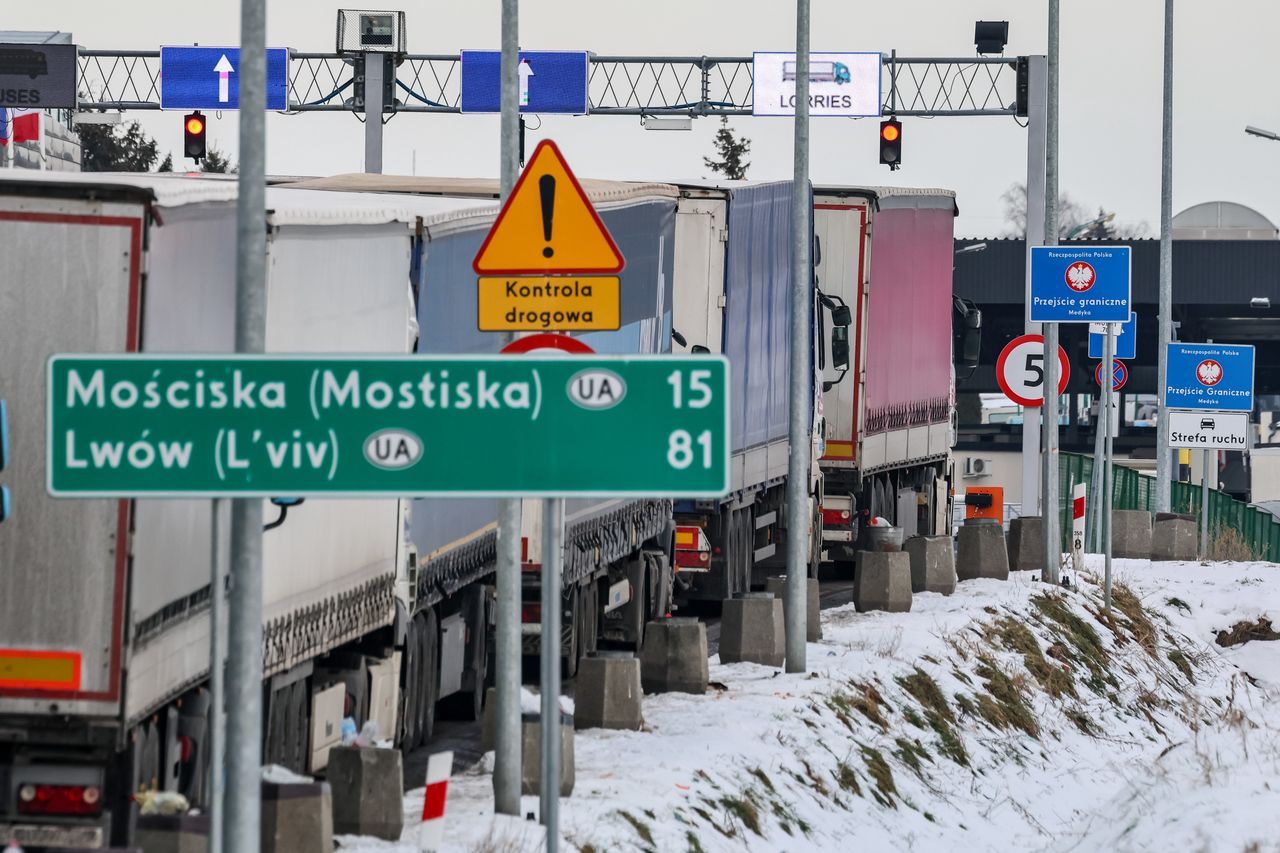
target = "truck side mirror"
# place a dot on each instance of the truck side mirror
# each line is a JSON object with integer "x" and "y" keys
{"x": 698, "y": 349}
{"x": 678, "y": 338}
{"x": 284, "y": 504}
{"x": 817, "y": 250}
{"x": 4, "y": 503}
{"x": 840, "y": 345}
{"x": 842, "y": 317}
{"x": 4, "y": 435}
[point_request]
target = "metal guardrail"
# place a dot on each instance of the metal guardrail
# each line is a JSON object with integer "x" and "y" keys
{"x": 618, "y": 85}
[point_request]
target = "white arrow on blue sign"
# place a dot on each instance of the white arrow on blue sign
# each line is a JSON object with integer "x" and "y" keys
{"x": 550, "y": 81}
{"x": 1210, "y": 377}
{"x": 1126, "y": 342}
{"x": 208, "y": 78}
{"x": 1079, "y": 284}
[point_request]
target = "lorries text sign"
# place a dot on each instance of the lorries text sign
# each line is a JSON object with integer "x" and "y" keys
{"x": 209, "y": 426}
{"x": 840, "y": 84}
{"x": 38, "y": 75}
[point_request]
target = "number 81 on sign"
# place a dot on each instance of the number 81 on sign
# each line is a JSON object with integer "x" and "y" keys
{"x": 1020, "y": 370}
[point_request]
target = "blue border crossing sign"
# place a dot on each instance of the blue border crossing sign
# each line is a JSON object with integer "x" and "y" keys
{"x": 1210, "y": 377}
{"x": 208, "y": 78}
{"x": 550, "y": 81}
{"x": 1126, "y": 341}
{"x": 1079, "y": 284}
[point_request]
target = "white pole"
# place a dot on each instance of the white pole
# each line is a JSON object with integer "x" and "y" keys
{"x": 1037, "y": 116}
{"x": 552, "y": 567}
{"x": 1108, "y": 383}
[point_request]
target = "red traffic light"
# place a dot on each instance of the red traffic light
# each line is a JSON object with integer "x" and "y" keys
{"x": 890, "y": 132}
{"x": 195, "y": 124}
{"x": 891, "y": 142}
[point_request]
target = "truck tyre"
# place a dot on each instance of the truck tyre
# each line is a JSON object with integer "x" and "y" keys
{"x": 590, "y": 610}
{"x": 430, "y": 690}
{"x": 572, "y": 603}
{"x": 411, "y": 679}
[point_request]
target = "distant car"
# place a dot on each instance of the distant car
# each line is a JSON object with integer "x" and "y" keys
{"x": 1207, "y": 423}
{"x": 18, "y": 61}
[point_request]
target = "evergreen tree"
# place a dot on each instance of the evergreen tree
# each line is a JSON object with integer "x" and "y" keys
{"x": 731, "y": 150}
{"x": 116, "y": 148}
{"x": 167, "y": 165}
{"x": 216, "y": 162}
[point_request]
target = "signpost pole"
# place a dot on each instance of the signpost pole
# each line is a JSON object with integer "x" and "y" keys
{"x": 507, "y": 650}
{"x": 1204, "y": 502}
{"x": 552, "y": 560}
{"x": 800, "y": 459}
{"x": 1164, "y": 452}
{"x": 1108, "y": 370}
{"x": 244, "y": 638}
{"x": 217, "y": 731}
{"x": 1036, "y": 118}
{"x": 375, "y": 69}
{"x": 1049, "y": 459}
{"x": 1094, "y": 507}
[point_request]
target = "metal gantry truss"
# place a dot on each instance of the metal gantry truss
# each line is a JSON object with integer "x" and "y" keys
{"x": 619, "y": 85}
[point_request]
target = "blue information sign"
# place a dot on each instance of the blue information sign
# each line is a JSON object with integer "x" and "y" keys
{"x": 1210, "y": 377}
{"x": 550, "y": 81}
{"x": 1079, "y": 284}
{"x": 208, "y": 78}
{"x": 1126, "y": 341}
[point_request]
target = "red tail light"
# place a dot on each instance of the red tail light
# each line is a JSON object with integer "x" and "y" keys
{"x": 531, "y": 613}
{"x": 59, "y": 799}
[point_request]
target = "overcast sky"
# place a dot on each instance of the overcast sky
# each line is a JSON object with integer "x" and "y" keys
{"x": 1226, "y": 73}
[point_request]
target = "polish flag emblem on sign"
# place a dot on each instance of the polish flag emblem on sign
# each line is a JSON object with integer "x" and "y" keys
{"x": 1080, "y": 276}
{"x": 1208, "y": 372}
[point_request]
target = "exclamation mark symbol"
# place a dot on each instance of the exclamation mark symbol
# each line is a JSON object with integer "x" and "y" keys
{"x": 547, "y": 189}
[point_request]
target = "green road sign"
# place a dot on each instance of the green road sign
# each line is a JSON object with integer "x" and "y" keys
{"x": 234, "y": 426}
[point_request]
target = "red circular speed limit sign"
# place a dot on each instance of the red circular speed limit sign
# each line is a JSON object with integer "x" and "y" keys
{"x": 1020, "y": 370}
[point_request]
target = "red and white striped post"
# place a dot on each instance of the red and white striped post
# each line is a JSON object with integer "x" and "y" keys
{"x": 1077, "y": 526}
{"x": 430, "y": 836}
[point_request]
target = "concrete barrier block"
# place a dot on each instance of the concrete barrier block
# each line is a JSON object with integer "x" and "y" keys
{"x": 813, "y": 627}
{"x": 1131, "y": 534}
{"x": 882, "y": 581}
{"x": 608, "y": 692}
{"x": 1026, "y": 544}
{"x": 752, "y": 629}
{"x": 982, "y": 552}
{"x": 531, "y": 755}
{"x": 1175, "y": 539}
{"x": 674, "y": 656}
{"x": 933, "y": 564}
{"x": 368, "y": 787}
{"x": 297, "y": 818}
{"x": 172, "y": 833}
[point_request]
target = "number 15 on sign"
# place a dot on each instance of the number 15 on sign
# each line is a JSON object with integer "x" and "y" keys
{"x": 1020, "y": 370}
{"x": 693, "y": 391}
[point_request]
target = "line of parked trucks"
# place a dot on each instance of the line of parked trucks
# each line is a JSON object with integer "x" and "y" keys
{"x": 383, "y": 609}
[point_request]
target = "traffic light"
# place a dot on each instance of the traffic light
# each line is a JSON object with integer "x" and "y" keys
{"x": 891, "y": 143}
{"x": 193, "y": 128}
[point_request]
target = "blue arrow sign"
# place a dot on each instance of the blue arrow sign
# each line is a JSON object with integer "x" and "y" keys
{"x": 208, "y": 78}
{"x": 1126, "y": 341}
{"x": 1078, "y": 284}
{"x": 550, "y": 81}
{"x": 1210, "y": 377}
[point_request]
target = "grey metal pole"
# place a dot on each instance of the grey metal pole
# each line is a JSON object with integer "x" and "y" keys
{"x": 1094, "y": 504}
{"x": 1037, "y": 117}
{"x": 1049, "y": 458}
{"x": 244, "y": 631}
{"x": 552, "y": 566}
{"x": 1164, "y": 460}
{"x": 217, "y": 730}
{"x": 1108, "y": 367}
{"x": 795, "y": 606}
{"x": 1204, "y": 502}
{"x": 507, "y": 649}
{"x": 375, "y": 69}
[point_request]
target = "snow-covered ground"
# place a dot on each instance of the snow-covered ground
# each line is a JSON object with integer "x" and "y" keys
{"x": 1009, "y": 716}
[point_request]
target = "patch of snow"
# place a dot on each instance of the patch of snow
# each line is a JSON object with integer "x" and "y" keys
{"x": 1133, "y": 753}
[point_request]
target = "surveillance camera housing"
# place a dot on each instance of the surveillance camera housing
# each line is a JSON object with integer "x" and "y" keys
{"x": 365, "y": 31}
{"x": 991, "y": 36}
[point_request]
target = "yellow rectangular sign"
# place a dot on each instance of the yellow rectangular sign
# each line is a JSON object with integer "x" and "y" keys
{"x": 549, "y": 303}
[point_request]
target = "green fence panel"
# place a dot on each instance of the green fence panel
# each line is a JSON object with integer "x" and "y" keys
{"x": 1258, "y": 530}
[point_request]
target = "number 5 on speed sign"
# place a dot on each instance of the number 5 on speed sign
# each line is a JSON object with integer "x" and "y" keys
{"x": 1020, "y": 370}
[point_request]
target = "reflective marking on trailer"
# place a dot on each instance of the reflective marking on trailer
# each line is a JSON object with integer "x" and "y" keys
{"x": 34, "y": 669}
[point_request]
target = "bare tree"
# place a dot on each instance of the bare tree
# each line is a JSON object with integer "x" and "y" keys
{"x": 1072, "y": 217}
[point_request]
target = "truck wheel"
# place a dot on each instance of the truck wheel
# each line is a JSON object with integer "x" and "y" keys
{"x": 590, "y": 610}
{"x": 410, "y": 724}
{"x": 431, "y": 669}
{"x": 572, "y": 603}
